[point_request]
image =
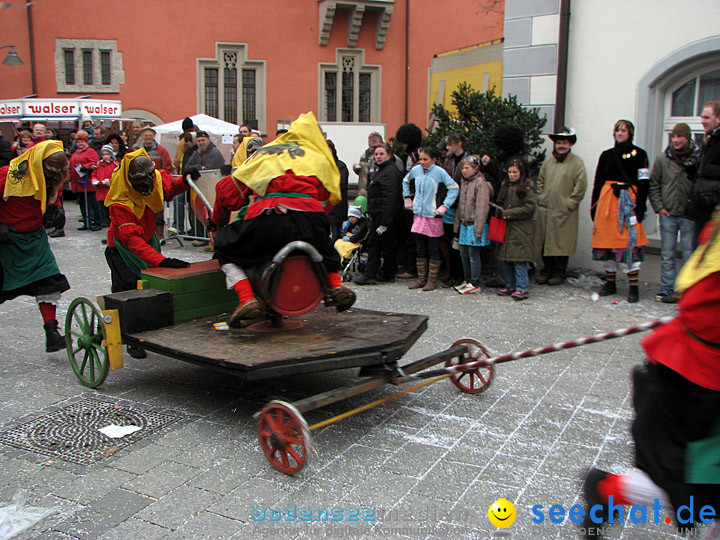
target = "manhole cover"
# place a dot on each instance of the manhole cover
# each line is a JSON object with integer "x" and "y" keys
{"x": 71, "y": 433}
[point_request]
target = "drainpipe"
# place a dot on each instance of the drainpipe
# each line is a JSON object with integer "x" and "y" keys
{"x": 407, "y": 57}
{"x": 561, "y": 88}
{"x": 32, "y": 45}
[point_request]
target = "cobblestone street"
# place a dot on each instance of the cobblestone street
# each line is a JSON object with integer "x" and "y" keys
{"x": 426, "y": 465}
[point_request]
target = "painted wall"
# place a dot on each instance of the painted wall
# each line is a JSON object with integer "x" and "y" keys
{"x": 160, "y": 42}
{"x": 478, "y": 65}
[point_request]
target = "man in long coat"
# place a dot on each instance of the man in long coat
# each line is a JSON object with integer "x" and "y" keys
{"x": 561, "y": 186}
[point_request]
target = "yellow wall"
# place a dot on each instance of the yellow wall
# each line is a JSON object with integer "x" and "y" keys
{"x": 473, "y": 74}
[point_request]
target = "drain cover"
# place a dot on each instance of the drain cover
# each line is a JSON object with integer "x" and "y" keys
{"x": 71, "y": 433}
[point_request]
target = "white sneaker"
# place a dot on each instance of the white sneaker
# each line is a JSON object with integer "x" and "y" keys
{"x": 463, "y": 285}
{"x": 472, "y": 289}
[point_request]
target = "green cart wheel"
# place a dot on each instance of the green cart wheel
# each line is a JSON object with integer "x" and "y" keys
{"x": 85, "y": 334}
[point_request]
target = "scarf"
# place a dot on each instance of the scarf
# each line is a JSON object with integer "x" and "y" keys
{"x": 626, "y": 205}
{"x": 26, "y": 177}
{"x": 680, "y": 155}
{"x": 122, "y": 192}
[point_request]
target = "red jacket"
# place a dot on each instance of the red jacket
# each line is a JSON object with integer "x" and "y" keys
{"x": 24, "y": 214}
{"x": 103, "y": 171}
{"x": 230, "y": 196}
{"x": 87, "y": 158}
{"x": 315, "y": 200}
{"x": 134, "y": 232}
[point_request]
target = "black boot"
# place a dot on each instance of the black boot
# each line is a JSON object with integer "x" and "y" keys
{"x": 633, "y": 295}
{"x": 53, "y": 340}
{"x": 608, "y": 289}
{"x": 590, "y": 529}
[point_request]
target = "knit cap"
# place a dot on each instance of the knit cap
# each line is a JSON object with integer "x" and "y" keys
{"x": 108, "y": 148}
{"x": 683, "y": 130}
{"x": 355, "y": 211}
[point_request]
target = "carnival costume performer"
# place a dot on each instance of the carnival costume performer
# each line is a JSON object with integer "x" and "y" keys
{"x": 137, "y": 193}
{"x": 29, "y": 186}
{"x": 676, "y": 396}
{"x": 295, "y": 181}
{"x": 619, "y": 202}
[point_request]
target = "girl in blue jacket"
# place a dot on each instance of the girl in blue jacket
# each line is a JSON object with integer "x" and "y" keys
{"x": 428, "y": 191}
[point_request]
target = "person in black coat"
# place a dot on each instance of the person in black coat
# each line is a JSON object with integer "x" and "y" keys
{"x": 706, "y": 191}
{"x": 384, "y": 192}
{"x": 6, "y": 153}
{"x": 338, "y": 213}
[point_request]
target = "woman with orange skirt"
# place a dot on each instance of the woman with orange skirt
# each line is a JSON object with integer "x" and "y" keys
{"x": 619, "y": 202}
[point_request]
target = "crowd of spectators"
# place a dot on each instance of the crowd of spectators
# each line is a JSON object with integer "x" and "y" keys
{"x": 431, "y": 234}
{"x": 429, "y": 210}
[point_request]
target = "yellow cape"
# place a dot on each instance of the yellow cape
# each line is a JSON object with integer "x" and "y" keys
{"x": 26, "y": 177}
{"x": 302, "y": 150}
{"x": 241, "y": 153}
{"x": 122, "y": 192}
{"x": 705, "y": 259}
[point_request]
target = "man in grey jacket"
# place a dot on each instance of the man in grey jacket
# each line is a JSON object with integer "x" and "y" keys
{"x": 671, "y": 183}
{"x": 207, "y": 155}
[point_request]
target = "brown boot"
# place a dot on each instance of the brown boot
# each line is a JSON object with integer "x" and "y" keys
{"x": 422, "y": 266}
{"x": 433, "y": 272}
{"x": 340, "y": 297}
{"x": 250, "y": 309}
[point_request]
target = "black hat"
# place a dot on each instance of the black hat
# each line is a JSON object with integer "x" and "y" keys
{"x": 187, "y": 124}
{"x": 564, "y": 133}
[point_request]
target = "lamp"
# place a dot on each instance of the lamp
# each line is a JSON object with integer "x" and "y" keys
{"x": 12, "y": 58}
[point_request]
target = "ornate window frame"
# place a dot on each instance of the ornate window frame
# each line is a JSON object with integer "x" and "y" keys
{"x": 233, "y": 55}
{"x": 350, "y": 61}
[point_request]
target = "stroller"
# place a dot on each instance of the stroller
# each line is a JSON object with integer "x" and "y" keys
{"x": 352, "y": 248}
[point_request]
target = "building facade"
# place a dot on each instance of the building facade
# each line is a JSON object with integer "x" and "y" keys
{"x": 262, "y": 63}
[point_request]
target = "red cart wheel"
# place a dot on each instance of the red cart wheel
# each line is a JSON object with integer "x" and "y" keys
{"x": 478, "y": 380}
{"x": 284, "y": 436}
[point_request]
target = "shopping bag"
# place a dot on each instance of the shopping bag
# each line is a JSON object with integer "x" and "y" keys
{"x": 496, "y": 230}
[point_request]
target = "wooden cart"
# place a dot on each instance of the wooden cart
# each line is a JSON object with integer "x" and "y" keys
{"x": 324, "y": 341}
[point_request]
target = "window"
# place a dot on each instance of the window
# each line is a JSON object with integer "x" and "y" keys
{"x": 105, "y": 67}
{"x": 211, "y": 92}
{"x": 331, "y": 96}
{"x": 69, "y": 67}
{"x": 685, "y": 100}
{"x": 88, "y": 66}
{"x": 232, "y": 87}
{"x": 358, "y": 98}
{"x": 249, "y": 91}
{"x": 230, "y": 95}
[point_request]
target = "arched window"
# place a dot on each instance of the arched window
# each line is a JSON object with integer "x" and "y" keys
{"x": 685, "y": 100}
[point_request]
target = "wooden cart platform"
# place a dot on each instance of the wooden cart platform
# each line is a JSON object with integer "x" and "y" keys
{"x": 329, "y": 341}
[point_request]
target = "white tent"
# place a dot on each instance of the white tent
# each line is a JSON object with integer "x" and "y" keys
{"x": 204, "y": 122}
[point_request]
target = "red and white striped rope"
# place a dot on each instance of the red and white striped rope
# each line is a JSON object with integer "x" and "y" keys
{"x": 472, "y": 366}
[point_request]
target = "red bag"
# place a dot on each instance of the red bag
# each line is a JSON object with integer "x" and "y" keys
{"x": 496, "y": 230}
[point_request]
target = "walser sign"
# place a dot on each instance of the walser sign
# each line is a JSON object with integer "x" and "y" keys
{"x": 61, "y": 109}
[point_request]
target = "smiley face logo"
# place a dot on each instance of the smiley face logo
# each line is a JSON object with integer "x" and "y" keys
{"x": 501, "y": 513}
